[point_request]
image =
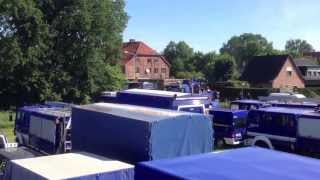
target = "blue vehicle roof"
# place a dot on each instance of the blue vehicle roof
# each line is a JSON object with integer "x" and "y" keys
{"x": 223, "y": 111}
{"x": 239, "y": 164}
{"x": 297, "y": 111}
{"x": 227, "y": 110}
{"x": 47, "y": 110}
{"x": 249, "y": 101}
{"x": 167, "y": 94}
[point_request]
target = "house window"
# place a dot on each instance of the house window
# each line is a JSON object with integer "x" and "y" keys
{"x": 318, "y": 73}
{"x": 137, "y": 70}
{"x": 289, "y": 73}
{"x": 147, "y": 71}
{"x": 315, "y": 73}
{"x": 149, "y": 60}
{"x": 156, "y": 61}
{"x": 155, "y": 70}
{"x": 309, "y": 73}
{"x": 163, "y": 70}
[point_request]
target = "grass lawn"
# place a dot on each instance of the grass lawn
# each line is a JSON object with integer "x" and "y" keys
{"x": 6, "y": 126}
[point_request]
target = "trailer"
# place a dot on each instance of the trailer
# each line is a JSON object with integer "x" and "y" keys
{"x": 285, "y": 129}
{"x": 165, "y": 100}
{"x": 45, "y": 128}
{"x": 79, "y": 165}
{"x": 134, "y": 133}
{"x": 229, "y": 126}
{"x": 239, "y": 164}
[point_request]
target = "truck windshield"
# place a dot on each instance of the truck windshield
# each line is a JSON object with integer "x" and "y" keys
{"x": 240, "y": 122}
{"x": 194, "y": 109}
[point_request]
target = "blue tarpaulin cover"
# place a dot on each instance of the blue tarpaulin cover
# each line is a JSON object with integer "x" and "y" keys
{"x": 134, "y": 133}
{"x": 241, "y": 164}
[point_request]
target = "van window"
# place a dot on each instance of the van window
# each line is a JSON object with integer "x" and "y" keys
{"x": 194, "y": 109}
{"x": 234, "y": 107}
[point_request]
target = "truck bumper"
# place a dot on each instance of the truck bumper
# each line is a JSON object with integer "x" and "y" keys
{"x": 232, "y": 141}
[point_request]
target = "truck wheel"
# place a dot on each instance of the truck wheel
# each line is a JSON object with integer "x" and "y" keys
{"x": 220, "y": 143}
{"x": 262, "y": 144}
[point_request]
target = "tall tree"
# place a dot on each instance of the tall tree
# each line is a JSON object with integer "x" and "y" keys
{"x": 59, "y": 48}
{"x": 245, "y": 46}
{"x": 224, "y": 68}
{"x": 178, "y": 54}
{"x": 296, "y": 47}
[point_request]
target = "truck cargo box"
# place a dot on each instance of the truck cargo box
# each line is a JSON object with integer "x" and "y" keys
{"x": 163, "y": 99}
{"x": 69, "y": 166}
{"x": 240, "y": 164}
{"x": 134, "y": 133}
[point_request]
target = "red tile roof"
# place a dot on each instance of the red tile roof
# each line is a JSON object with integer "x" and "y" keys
{"x": 138, "y": 48}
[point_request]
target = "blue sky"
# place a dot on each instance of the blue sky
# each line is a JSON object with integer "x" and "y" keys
{"x": 206, "y": 24}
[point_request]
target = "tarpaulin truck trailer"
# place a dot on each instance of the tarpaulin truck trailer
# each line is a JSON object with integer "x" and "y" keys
{"x": 44, "y": 127}
{"x": 165, "y": 100}
{"x": 74, "y": 166}
{"x": 239, "y": 164}
{"x": 135, "y": 133}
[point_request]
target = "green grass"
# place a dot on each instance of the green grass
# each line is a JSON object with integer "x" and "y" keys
{"x": 6, "y": 126}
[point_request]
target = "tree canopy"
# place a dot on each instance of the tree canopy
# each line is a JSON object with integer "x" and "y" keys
{"x": 245, "y": 46}
{"x": 178, "y": 54}
{"x": 56, "y": 49}
{"x": 296, "y": 47}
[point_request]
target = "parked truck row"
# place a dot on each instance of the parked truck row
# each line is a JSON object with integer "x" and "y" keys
{"x": 144, "y": 125}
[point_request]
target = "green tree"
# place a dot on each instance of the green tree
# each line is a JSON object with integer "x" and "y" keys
{"x": 53, "y": 49}
{"x": 178, "y": 54}
{"x": 24, "y": 44}
{"x": 296, "y": 47}
{"x": 245, "y": 46}
{"x": 224, "y": 68}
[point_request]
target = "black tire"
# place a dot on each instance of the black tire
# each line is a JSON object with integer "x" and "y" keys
{"x": 219, "y": 143}
{"x": 262, "y": 144}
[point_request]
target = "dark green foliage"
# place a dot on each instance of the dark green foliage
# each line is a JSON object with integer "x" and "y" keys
{"x": 245, "y": 46}
{"x": 59, "y": 49}
{"x": 224, "y": 68}
{"x": 296, "y": 47}
{"x": 231, "y": 93}
{"x": 178, "y": 54}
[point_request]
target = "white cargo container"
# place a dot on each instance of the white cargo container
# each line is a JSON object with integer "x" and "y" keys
{"x": 69, "y": 166}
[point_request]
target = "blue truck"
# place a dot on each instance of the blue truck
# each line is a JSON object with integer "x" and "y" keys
{"x": 45, "y": 128}
{"x": 229, "y": 126}
{"x": 285, "y": 129}
{"x": 239, "y": 164}
{"x": 163, "y": 99}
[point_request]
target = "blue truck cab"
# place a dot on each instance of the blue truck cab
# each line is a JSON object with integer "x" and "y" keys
{"x": 229, "y": 126}
{"x": 248, "y": 104}
{"x": 288, "y": 129}
{"x": 45, "y": 128}
{"x": 164, "y": 100}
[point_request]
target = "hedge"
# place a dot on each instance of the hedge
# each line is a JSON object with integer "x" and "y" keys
{"x": 232, "y": 93}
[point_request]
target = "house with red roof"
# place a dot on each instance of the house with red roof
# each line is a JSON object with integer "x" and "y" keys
{"x": 141, "y": 62}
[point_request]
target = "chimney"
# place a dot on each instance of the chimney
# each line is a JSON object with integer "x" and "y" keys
{"x": 132, "y": 40}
